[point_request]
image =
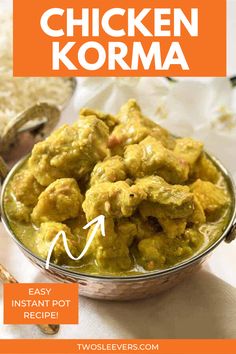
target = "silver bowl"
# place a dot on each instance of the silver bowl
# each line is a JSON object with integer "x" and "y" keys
{"x": 128, "y": 287}
{"x": 32, "y": 125}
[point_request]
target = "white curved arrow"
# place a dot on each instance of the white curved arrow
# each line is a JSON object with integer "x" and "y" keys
{"x": 100, "y": 222}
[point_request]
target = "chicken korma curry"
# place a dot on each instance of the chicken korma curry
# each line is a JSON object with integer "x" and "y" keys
{"x": 163, "y": 198}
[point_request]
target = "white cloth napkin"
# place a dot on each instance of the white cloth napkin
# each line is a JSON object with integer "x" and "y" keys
{"x": 203, "y": 306}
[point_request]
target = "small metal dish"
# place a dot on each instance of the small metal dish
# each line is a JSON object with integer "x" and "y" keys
{"x": 129, "y": 287}
{"x": 30, "y": 126}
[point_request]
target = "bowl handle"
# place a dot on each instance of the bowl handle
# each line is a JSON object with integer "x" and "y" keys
{"x": 39, "y": 111}
{"x": 231, "y": 234}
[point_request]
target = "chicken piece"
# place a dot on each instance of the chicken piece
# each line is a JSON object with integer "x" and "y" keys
{"x": 19, "y": 212}
{"x": 165, "y": 200}
{"x": 46, "y": 235}
{"x": 131, "y": 132}
{"x": 163, "y": 136}
{"x": 25, "y": 188}
{"x": 158, "y": 211}
{"x": 126, "y": 230}
{"x": 60, "y": 201}
{"x": 150, "y": 157}
{"x": 129, "y": 110}
{"x": 173, "y": 227}
{"x": 188, "y": 150}
{"x": 76, "y": 226}
{"x": 205, "y": 170}
{"x": 211, "y": 197}
{"x": 111, "y": 169}
{"x": 108, "y": 119}
{"x": 71, "y": 151}
{"x": 161, "y": 252}
{"x": 145, "y": 227}
{"x": 151, "y": 252}
{"x": 134, "y": 127}
{"x": 111, "y": 251}
{"x": 111, "y": 200}
{"x": 198, "y": 217}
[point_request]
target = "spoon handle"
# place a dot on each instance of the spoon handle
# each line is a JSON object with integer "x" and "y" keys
{"x": 7, "y": 278}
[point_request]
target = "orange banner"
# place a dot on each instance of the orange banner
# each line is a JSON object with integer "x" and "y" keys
{"x": 41, "y": 303}
{"x": 137, "y": 346}
{"x": 120, "y": 38}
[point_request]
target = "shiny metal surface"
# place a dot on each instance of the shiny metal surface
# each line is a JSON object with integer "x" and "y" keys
{"x": 39, "y": 120}
{"x": 41, "y": 110}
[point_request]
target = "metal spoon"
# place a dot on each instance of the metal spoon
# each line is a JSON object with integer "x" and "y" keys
{"x": 6, "y": 277}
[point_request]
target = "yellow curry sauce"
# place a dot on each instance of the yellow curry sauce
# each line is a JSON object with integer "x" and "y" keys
{"x": 163, "y": 199}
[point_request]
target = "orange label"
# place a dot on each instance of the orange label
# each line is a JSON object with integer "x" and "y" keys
{"x": 120, "y": 38}
{"x": 41, "y": 303}
{"x": 123, "y": 346}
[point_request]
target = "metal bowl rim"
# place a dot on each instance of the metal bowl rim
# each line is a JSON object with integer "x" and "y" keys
{"x": 128, "y": 278}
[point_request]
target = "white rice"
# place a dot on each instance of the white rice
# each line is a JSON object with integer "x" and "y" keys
{"x": 17, "y": 94}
